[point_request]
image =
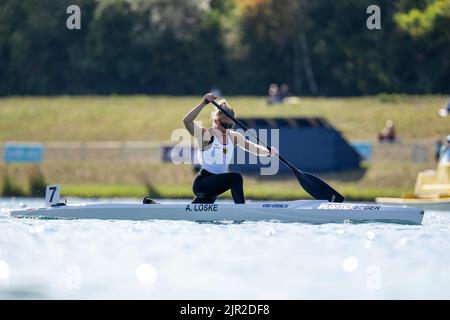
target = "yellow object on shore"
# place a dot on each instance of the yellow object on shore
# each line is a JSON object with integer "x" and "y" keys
{"x": 433, "y": 183}
{"x": 432, "y": 190}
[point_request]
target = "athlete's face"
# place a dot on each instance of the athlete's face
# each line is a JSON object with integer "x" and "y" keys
{"x": 224, "y": 123}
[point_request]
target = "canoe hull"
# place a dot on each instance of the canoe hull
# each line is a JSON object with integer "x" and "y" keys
{"x": 307, "y": 211}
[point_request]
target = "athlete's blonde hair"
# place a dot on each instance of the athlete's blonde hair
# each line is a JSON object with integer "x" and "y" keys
{"x": 217, "y": 114}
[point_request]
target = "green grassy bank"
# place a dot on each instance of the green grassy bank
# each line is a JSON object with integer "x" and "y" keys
{"x": 122, "y": 118}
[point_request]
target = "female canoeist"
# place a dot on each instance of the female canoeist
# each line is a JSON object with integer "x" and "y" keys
{"x": 216, "y": 145}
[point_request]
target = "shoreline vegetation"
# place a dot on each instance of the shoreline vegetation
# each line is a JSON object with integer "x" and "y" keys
{"x": 120, "y": 179}
{"x": 93, "y": 191}
{"x": 153, "y": 118}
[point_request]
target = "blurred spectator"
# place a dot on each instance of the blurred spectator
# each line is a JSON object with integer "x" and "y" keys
{"x": 444, "y": 156}
{"x": 445, "y": 110}
{"x": 277, "y": 94}
{"x": 284, "y": 92}
{"x": 437, "y": 149}
{"x": 273, "y": 94}
{"x": 387, "y": 133}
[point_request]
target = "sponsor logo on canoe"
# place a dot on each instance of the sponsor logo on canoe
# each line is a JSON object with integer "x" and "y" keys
{"x": 275, "y": 205}
{"x": 367, "y": 207}
{"x": 349, "y": 206}
{"x": 201, "y": 207}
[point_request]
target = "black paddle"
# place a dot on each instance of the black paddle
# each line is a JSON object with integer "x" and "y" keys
{"x": 317, "y": 188}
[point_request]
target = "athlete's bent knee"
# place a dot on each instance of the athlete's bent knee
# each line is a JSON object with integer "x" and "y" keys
{"x": 237, "y": 178}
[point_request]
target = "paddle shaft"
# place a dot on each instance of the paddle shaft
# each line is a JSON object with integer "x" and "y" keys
{"x": 317, "y": 188}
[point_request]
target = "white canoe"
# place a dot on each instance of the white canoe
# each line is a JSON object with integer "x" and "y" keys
{"x": 309, "y": 211}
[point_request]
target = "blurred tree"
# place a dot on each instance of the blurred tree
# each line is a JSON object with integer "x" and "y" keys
{"x": 417, "y": 22}
{"x": 158, "y": 46}
{"x": 317, "y": 47}
{"x": 427, "y": 22}
{"x": 39, "y": 55}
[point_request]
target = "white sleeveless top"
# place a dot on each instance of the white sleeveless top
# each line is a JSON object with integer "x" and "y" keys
{"x": 217, "y": 156}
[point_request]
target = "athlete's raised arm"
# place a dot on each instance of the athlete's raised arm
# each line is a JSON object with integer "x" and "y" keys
{"x": 189, "y": 118}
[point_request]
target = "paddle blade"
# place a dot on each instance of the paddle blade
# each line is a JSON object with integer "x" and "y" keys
{"x": 317, "y": 188}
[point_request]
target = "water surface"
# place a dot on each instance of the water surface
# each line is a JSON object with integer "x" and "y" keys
{"x": 94, "y": 259}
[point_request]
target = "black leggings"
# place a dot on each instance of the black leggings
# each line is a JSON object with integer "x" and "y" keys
{"x": 207, "y": 186}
